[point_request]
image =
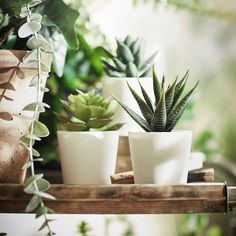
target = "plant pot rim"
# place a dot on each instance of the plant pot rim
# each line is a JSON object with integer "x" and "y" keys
{"x": 87, "y": 132}
{"x": 126, "y": 78}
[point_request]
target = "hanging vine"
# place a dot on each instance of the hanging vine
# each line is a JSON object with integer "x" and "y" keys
{"x": 36, "y": 185}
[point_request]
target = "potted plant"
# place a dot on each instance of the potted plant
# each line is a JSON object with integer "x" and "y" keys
{"x": 22, "y": 85}
{"x": 128, "y": 63}
{"x": 159, "y": 155}
{"x": 18, "y": 71}
{"x": 88, "y": 144}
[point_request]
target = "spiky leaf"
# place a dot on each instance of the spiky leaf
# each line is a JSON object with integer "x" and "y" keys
{"x": 156, "y": 87}
{"x": 146, "y": 111}
{"x": 160, "y": 116}
{"x": 146, "y": 96}
{"x": 178, "y": 110}
{"x": 141, "y": 122}
{"x": 169, "y": 96}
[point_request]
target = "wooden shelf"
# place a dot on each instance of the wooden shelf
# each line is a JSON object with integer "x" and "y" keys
{"x": 125, "y": 199}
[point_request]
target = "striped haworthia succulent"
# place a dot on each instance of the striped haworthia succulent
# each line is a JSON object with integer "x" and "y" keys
{"x": 129, "y": 60}
{"x": 163, "y": 114}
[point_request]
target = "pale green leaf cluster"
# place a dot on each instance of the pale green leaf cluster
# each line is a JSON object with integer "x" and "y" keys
{"x": 129, "y": 60}
{"x": 87, "y": 112}
{"x": 36, "y": 185}
{"x": 163, "y": 114}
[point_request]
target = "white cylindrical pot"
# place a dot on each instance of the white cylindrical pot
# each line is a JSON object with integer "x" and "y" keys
{"x": 119, "y": 88}
{"x": 88, "y": 157}
{"x": 160, "y": 157}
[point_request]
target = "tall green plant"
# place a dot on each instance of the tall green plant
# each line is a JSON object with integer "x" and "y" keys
{"x": 163, "y": 114}
{"x": 129, "y": 60}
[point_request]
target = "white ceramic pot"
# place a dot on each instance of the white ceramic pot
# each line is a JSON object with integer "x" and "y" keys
{"x": 88, "y": 157}
{"x": 160, "y": 157}
{"x": 119, "y": 88}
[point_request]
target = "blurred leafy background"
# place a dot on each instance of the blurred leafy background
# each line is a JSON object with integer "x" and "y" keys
{"x": 197, "y": 34}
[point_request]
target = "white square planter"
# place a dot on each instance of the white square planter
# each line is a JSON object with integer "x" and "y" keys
{"x": 88, "y": 157}
{"x": 160, "y": 157}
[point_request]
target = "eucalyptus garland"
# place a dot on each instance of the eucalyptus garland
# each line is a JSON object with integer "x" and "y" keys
{"x": 36, "y": 185}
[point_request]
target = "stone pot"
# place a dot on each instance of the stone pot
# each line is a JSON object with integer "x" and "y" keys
{"x": 15, "y": 94}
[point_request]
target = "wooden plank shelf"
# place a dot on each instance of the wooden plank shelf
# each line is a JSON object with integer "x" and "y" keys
{"x": 126, "y": 199}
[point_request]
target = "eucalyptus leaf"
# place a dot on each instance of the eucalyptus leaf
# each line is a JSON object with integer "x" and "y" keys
{"x": 45, "y": 195}
{"x": 45, "y": 67}
{"x": 33, "y": 204}
{"x": 35, "y": 81}
{"x": 32, "y": 106}
{"x": 40, "y": 129}
{"x": 34, "y": 3}
{"x": 26, "y": 165}
{"x": 36, "y": 17}
{"x": 31, "y": 180}
{"x": 30, "y": 56}
{"x": 43, "y": 185}
{"x": 33, "y": 137}
{"x": 42, "y": 211}
{"x": 39, "y": 42}
{"x": 29, "y": 28}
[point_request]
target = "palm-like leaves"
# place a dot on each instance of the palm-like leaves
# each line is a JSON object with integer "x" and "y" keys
{"x": 168, "y": 107}
{"x": 88, "y": 112}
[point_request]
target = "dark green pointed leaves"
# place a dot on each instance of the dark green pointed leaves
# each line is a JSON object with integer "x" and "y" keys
{"x": 163, "y": 115}
{"x": 160, "y": 115}
{"x": 129, "y": 60}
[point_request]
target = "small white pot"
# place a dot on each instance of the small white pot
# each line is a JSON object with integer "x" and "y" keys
{"x": 88, "y": 157}
{"x": 119, "y": 88}
{"x": 160, "y": 157}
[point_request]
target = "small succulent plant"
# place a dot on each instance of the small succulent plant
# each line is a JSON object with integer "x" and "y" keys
{"x": 129, "y": 60}
{"x": 165, "y": 112}
{"x": 88, "y": 112}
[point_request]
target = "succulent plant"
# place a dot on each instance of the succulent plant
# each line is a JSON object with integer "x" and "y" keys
{"x": 88, "y": 112}
{"x": 129, "y": 60}
{"x": 165, "y": 112}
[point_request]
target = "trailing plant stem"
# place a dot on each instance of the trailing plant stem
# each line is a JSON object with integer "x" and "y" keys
{"x": 35, "y": 116}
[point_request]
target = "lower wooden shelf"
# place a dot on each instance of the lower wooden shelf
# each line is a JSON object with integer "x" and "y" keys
{"x": 124, "y": 199}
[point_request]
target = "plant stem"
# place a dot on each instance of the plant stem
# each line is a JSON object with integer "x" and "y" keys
{"x": 35, "y": 116}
